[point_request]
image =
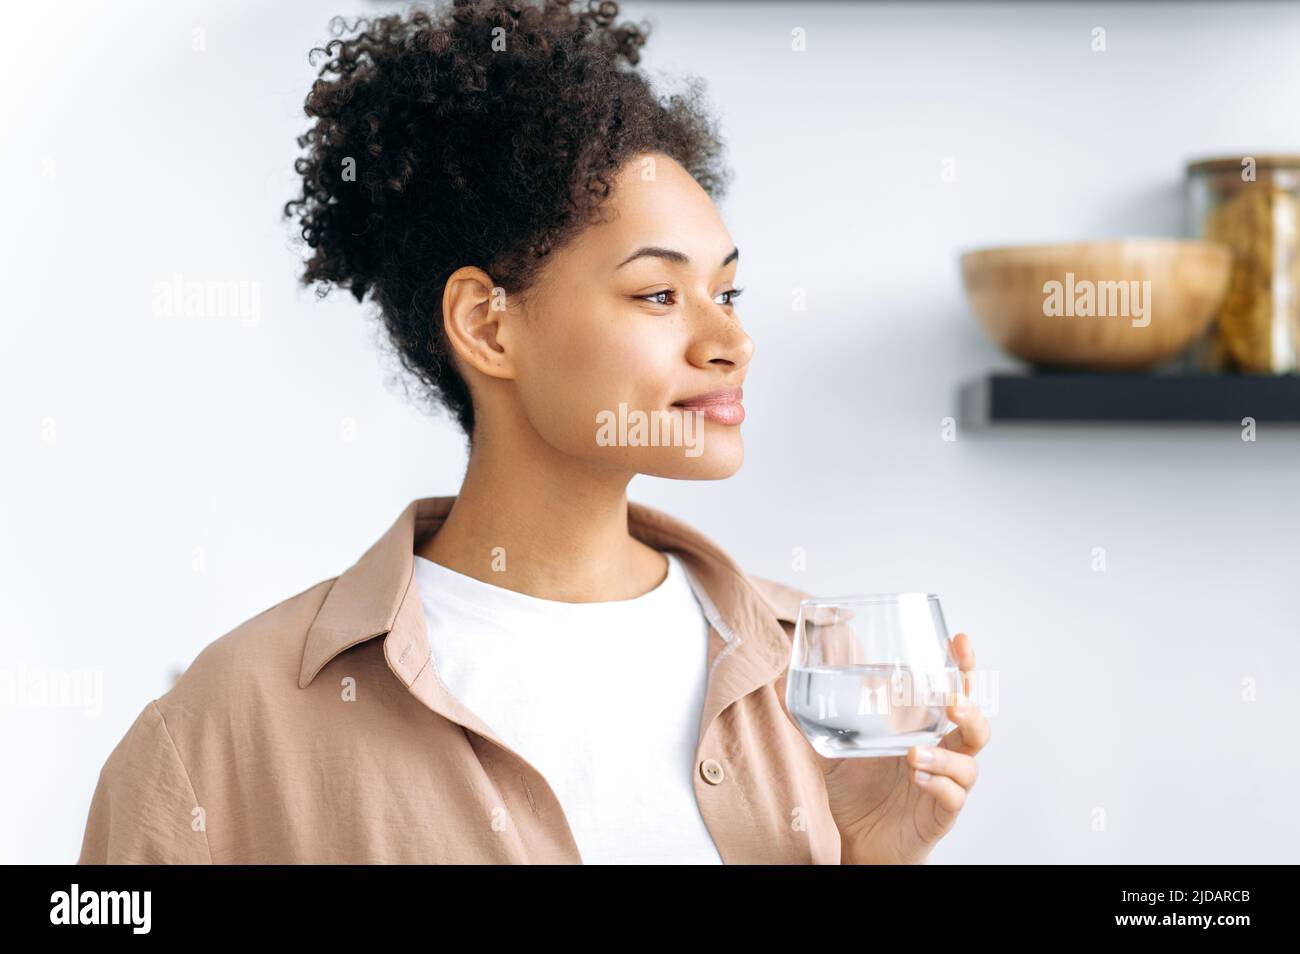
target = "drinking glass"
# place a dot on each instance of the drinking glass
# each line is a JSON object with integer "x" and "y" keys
{"x": 871, "y": 675}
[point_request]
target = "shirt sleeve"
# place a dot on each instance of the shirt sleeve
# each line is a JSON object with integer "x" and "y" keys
{"x": 144, "y": 810}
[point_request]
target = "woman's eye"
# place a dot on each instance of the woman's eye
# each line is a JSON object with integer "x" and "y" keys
{"x": 666, "y": 297}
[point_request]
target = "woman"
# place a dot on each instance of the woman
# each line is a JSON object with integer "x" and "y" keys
{"x": 536, "y": 669}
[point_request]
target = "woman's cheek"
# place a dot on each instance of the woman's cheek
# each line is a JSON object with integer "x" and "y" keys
{"x": 574, "y": 381}
{"x": 634, "y": 362}
{"x": 563, "y": 399}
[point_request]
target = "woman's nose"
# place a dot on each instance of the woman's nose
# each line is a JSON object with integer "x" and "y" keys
{"x": 719, "y": 336}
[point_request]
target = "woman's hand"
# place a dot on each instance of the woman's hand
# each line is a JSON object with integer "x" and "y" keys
{"x": 894, "y": 810}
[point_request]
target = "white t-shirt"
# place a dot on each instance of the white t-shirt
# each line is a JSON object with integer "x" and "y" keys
{"x": 604, "y": 699}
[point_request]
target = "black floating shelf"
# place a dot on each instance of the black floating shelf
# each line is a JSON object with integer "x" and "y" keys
{"x": 1052, "y": 396}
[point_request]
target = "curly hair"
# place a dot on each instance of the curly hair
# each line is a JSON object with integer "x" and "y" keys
{"x": 487, "y": 134}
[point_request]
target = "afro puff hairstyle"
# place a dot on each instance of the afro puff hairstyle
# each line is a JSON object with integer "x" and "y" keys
{"x": 486, "y": 133}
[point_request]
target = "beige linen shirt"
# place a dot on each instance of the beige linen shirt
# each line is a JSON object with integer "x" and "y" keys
{"x": 319, "y": 732}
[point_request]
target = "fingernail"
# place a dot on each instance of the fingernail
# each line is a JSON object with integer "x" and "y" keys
{"x": 925, "y": 755}
{"x": 922, "y": 776}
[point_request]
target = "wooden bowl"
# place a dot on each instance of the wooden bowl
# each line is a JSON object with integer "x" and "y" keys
{"x": 1117, "y": 305}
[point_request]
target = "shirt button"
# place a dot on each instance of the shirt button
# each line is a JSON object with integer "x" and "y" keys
{"x": 711, "y": 769}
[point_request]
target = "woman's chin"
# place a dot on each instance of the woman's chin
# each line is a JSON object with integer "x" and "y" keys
{"x": 714, "y": 460}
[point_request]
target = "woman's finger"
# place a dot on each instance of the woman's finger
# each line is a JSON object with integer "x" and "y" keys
{"x": 950, "y": 796}
{"x": 973, "y": 730}
{"x": 964, "y": 654}
{"x": 954, "y": 765}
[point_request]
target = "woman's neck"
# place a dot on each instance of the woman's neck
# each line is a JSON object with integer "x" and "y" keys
{"x": 545, "y": 525}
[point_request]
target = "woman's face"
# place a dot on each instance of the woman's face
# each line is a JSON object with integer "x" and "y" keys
{"x": 626, "y": 324}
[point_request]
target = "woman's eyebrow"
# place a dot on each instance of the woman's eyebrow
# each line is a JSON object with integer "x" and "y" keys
{"x": 672, "y": 255}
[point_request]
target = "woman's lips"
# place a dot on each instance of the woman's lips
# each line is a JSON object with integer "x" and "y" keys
{"x": 721, "y": 407}
{"x": 722, "y": 413}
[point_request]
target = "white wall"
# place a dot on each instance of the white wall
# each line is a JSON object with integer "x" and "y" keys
{"x": 129, "y": 157}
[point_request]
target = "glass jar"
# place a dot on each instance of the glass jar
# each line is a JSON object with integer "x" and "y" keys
{"x": 1252, "y": 204}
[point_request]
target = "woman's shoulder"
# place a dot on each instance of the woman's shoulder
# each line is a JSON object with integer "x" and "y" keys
{"x": 783, "y": 598}
{"x": 266, "y": 647}
{"x": 145, "y": 808}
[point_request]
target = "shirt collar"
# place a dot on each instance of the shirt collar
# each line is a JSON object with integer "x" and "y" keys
{"x": 376, "y": 597}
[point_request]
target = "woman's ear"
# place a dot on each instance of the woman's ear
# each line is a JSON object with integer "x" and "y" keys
{"x": 478, "y": 321}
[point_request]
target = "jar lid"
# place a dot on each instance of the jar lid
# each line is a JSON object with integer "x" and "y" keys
{"x": 1233, "y": 163}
